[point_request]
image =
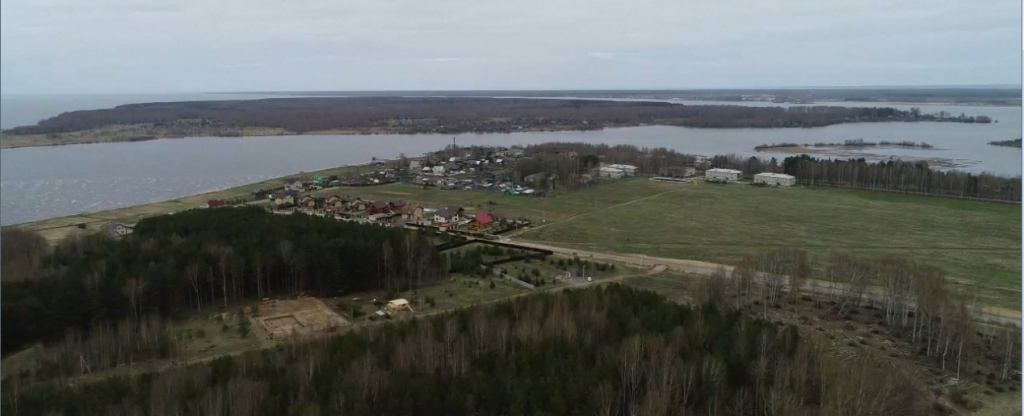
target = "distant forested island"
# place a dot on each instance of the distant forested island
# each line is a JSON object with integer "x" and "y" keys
{"x": 1007, "y": 143}
{"x": 412, "y": 115}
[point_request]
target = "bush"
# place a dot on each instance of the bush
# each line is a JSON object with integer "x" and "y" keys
{"x": 357, "y": 312}
{"x": 492, "y": 284}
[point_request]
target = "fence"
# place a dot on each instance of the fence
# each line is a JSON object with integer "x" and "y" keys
{"x": 513, "y": 279}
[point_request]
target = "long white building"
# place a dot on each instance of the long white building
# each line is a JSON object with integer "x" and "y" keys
{"x": 779, "y": 179}
{"x": 627, "y": 170}
{"x": 728, "y": 175}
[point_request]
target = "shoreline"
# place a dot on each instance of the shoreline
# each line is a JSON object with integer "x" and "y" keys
{"x": 57, "y": 228}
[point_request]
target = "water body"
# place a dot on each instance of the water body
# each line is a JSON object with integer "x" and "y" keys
{"x": 45, "y": 182}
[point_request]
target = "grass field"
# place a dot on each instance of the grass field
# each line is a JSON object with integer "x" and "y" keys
{"x": 974, "y": 242}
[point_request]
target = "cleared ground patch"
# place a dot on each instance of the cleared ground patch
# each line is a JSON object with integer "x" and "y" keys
{"x": 304, "y": 316}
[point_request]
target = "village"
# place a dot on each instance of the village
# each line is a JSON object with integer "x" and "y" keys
{"x": 500, "y": 170}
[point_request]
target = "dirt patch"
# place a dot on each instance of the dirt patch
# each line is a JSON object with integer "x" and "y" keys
{"x": 284, "y": 318}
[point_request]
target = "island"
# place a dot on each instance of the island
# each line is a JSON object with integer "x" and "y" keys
{"x": 1007, "y": 143}
{"x": 413, "y": 115}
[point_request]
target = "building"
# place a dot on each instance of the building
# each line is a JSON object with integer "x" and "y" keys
{"x": 482, "y": 221}
{"x": 398, "y": 305}
{"x": 611, "y": 173}
{"x": 216, "y": 203}
{"x": 509, "y": 153}
{"x": 627, "y": 170}
{"x": 335, "y": 203}
{"x": 118, "y": 229}
{"x": 294, "y": 186}
{"x": 775, "y": 179}
{"x": 727, "y": 175}
{"x": 378, "y": 207}
{"x": 447, "y": 215}
{"x": 412, "y": 213}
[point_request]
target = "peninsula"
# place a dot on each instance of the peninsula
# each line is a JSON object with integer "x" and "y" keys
{"x": 413, "y": 115}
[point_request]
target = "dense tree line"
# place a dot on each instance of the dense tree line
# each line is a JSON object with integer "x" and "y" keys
{"x": 455, "y": 115}
{"x": 601, "y": 351}
{"x": 900, "y": 176}
{"x": 196, "y": 260}
{"x": 565, "y": 162}
{"x": 1007, "y": 143}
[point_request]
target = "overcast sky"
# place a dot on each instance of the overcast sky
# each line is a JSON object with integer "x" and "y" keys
{"x": 137, "y": 46}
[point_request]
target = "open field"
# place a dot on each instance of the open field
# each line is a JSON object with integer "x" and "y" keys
{"x": 974, "y": 242}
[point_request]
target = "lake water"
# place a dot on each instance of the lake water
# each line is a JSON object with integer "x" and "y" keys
{"x": 46, "y": 182}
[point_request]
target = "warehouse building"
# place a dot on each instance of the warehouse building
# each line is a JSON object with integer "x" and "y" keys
{"x": 728, "y": 175}
{"x": 775, "y": 179}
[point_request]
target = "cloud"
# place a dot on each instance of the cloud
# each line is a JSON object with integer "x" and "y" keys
{"x": 201, "y": 45}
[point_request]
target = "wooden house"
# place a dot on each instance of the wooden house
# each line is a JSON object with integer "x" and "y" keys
{"x": 378, "y": 207}
{"x": 413, "y": 213}
{"x": 482, "y": 221}
{"x": 358, "y": 205}
{"x": 334, "y": 203}
{"x": 307, "y": 202}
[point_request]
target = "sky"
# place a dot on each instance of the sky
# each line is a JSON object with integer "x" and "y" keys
{"x": 169, "y": 46}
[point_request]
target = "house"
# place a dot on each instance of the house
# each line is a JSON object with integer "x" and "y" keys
{"x": 448, "y": 214}
{"x": 412, "y": 213}
{"x": 259, "y": 193}
{"x": 118, "y": 229}
{"x": 334, "y": 202}
{"x": 397, "y": 305}
{"x": 482, "y": 221}
{"x": 378, "y": 207}
{"x": 358, "y": 205}
{"x": 307, "y": 202}
{"x": 216, "y": 203}
{"x": 414, "y": 164}
{"x": 284, "y": 199}
{"x": 438, "y": 170}
{"x": 612, "y": 173}
{"x": 320, "y": 181}
{"x": 775, "y": 179}
{"x": 722, "y": 175}
{"x": 396, "y": 205}
{"x": 294, "y": 186}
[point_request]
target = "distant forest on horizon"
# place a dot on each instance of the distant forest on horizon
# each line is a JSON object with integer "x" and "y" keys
{"x": 449, "y": 115}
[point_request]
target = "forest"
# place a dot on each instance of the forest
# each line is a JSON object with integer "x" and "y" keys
{"x": 408, "y": 115}
{"x": 902, "y": 177}
{"x": 601, "y": 351}
{"x": 196, "y": 260}
{"x": 566, "y": 161}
